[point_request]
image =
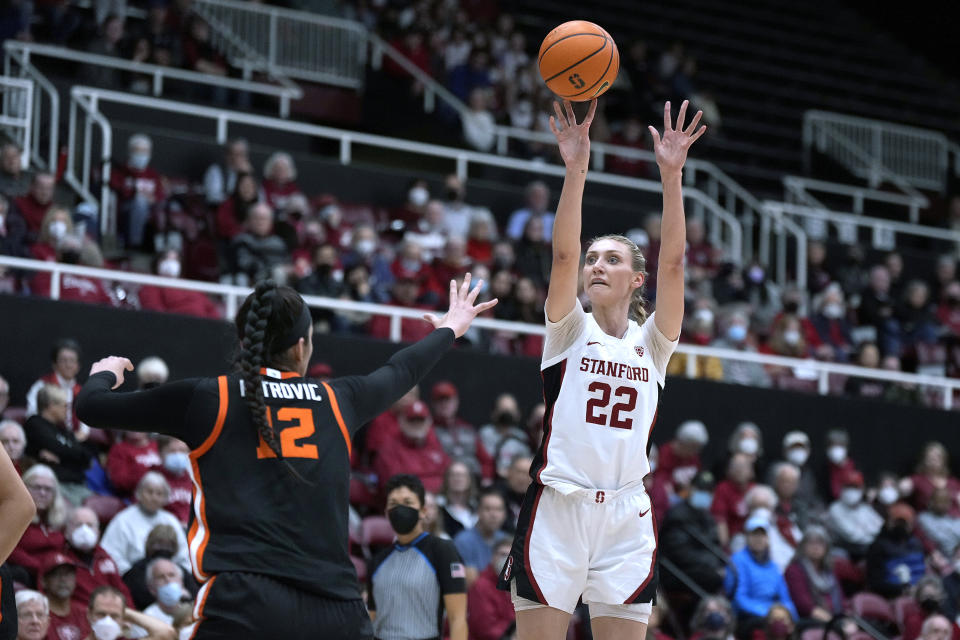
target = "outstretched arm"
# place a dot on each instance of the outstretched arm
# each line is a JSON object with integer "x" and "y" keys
{"x": 574, "y": 142}
{"x": 671, "y": 151}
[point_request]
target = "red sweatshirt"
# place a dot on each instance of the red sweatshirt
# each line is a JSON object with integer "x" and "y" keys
{"x": 669, "y": 462}
{"x": 73, "y": 626}
{"x": 426, "y": 460}
{"x": 181, "y": 495}
{"x": 127, "y": 463}
{"x": 489, "y": 610}
{"x": 277, "y": 195}
{"x": 728, "y": 505}
{"x": 32, "y": 211}
{"x": 37, "y": 541}
{"x": 127, "y": 183}
{"x": 191, "y": 303}
{"x": 95, "y": 570}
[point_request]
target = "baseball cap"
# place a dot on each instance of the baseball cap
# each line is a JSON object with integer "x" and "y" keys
{"x": 693, "y": 431}
{"x": 53, "y": 560}
{"x": 853, "y": 479}
{"x": 444, "y": 389}
{"x": 794, "y": 438}
{"x": 755, "y": 522}
{"x": 417, "y": 410}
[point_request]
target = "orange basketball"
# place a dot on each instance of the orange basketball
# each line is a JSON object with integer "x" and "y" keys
{"x": 578, "y": 60}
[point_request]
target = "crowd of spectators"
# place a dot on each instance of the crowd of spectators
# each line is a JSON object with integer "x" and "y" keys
{"x": 781, "y": 541}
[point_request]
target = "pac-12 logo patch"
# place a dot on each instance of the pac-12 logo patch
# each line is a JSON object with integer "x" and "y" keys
{"x": 639, "y": 350}
{"x": 508, "y": 568}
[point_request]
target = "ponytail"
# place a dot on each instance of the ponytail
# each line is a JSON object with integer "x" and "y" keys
{"x": 253, "y": 352}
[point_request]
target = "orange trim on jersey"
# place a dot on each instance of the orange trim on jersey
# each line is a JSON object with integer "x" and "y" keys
{"x": 336, "y": 414}
{"x": 198, "y": 613}
{"x": 284, "y": 375}
{"x": 200, "y": 526}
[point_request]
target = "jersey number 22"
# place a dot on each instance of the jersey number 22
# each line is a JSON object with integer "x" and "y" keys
{"x": 628, "y": 402}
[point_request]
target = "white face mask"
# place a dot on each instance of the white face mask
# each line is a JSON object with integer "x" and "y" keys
{"x": 106, "y": 628}
{"x": 169, "y": 268}
{"x": 419, "y": 196}
{"x": 366, "y": 247}
{"x": 833, "y": 310}
{"x": 798, "y": 456}
{"x": 57, "y": 229}
{"x": 749, "y": 446}
{"x": 84, "y": 537}
{"x": 851, "y": 496}
{"x": 139, "y": 161}
{"x": 837, "y": 454}
{"x": 176, "y": 463}
{"x": 791, "y": 337}
{"x": 888, "y": 495}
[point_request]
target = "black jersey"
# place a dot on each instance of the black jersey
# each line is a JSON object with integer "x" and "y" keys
{"x": 8, "y": 606}
{"x": 250, "y": 513}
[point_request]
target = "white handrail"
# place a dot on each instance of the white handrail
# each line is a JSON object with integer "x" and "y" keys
{"x": 732, "y": 244}
{"x": 232, "y": 295}
{"x": 53, "y": 133}
{"x": 801, "y": 187}
{"x": 17, "y": 115}
{"x": 284, "y": 94}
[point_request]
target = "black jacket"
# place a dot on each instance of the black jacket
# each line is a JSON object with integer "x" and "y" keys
{"x": 74, "y": 456}
{"x": 680, "y": 542}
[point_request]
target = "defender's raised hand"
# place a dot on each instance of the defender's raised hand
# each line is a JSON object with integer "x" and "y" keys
{"x": 462, "y": 310}
{"x": 572, "y": 138}
{"x": 671, "y": 149}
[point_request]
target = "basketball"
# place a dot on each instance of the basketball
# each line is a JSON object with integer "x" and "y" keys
{"x": 578, "y": 60}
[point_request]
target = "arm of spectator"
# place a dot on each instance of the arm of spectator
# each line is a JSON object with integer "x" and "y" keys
{"x": 156, "y": 629}
{"x": 16, "y": 507}
{"x": 784, "y": 597}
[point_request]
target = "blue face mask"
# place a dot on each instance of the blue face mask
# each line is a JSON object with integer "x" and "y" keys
{"x": 169, "y": 594}
{"x": 737, "y": 333}
{"x": 701, "y": 500}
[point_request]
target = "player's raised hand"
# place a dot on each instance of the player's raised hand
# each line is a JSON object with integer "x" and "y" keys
{"x": 671, "y": 149}
{"x": 572, "y": 138}
{"x": 462, "y": 310}
{"x": 114, "y": 364}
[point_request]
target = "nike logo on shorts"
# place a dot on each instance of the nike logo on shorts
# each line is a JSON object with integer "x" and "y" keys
{"x": 590, "y": 343}
{"x": 643, "y": 513}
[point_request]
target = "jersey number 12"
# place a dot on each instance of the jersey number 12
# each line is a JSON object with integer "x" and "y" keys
{"x": 628, "y": 402}
{"x": 289, "y": 447}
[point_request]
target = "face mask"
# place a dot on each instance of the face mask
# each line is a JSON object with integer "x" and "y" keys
{"x": 851, "y": 496}
{"x": 169, "y": 268}
{"x": 176, "y": 463}
{"x": 366, "y": 247}
{"x": 169, "y": 594}
{"x": 833, "y": 310}
{"x": 755, "y": 274}
{"x": 701, "y": 500}
{"x": 84, "y": 537}
{"x": 791, "y": 337}
{"x": 900, "y": 530}
{"x": 778, "y": 629}
{"x": 139, "y": 161}
{"x": 930, "y": 604}
{"x": 889, "y": 495}
{"x": 411, "y": 265}
{"x": 70, "y": 256}
{"x": 506, "y": 418}
{"x": 798, "y": 456}
{"x": 703, "y": 316}
{"x": 715, "y": 621}
{"x": 748, "y": 446}
{"x": 403, "y": 519}
{"x": 453, "y": 195}
{"x": 106, "y": 628}
{"x": 837, "y": 454}
{"x": 791, "y": 306}
{"x": 418, "y": 196}
{"x": 737, "y": 333}
{"x": 57, "y": 229}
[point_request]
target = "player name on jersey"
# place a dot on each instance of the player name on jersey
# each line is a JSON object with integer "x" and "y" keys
{"x": 291, "y": 390}
{"x": 614, "y": 369}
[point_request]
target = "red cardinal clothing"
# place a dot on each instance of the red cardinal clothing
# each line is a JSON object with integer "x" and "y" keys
{"x": 73, "y": 626}
{"x": 671, "y": 464}
{"x": 277, "y": 194}
{"x": 838, "y": 475}
{"x": 32, "y": 211}
{"x": 729, "y": 507}
{"x": 191, "y": 303}
{"x": 127, "y": 463}
{"x": 181, "y": 494}
{"x": 95, "y": 570}
{"x": 489, "y": 610}
{"x": 37, "y": 541}
{"x": 426, "y": 460}
{"x": 411, "y": 329}
{"x": 128, "y": 182}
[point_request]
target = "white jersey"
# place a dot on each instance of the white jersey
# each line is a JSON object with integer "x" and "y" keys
{"x": 601, "y": 395}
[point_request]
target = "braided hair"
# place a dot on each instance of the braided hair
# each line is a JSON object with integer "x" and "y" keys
{"x": 264, "y": 318}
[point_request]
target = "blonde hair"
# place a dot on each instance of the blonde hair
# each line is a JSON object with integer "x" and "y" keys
{"x": 57, "y": 513}
{"x": 48, "y": 218}
{"x": 638, "y": 309}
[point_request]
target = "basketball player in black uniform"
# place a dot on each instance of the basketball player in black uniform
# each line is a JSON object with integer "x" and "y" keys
{"x": 16, "y": 512}
{"x": 270, "y": 460}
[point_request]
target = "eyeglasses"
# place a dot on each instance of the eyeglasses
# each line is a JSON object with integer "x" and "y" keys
{"x": 40, "y": 488}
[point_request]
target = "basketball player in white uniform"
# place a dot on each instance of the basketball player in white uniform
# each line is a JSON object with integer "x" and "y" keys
{"x": 587, "y": 528}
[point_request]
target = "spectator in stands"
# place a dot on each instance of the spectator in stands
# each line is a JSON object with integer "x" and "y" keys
{"x": 779, "y": 624}
{"x": 853, "y": 522}
{"x": 458, "y": 437}
{"x": 944, "y": 273}
{"x": 220, "y": 178}
{"x": 14, "y": 181}
{"x": 405, "y": 293}
{"x": 51, "y": 442}
{"x": 786, "y": 339}
{"x": 948, "y": 311}
{"x": 790, "y": 513}
{"x": 474, "y": 74}
{"x": 490, "y": 614}
{"x": 680, "y": 458}
{"x": 54, "y": 228}
{"x": 831, "y": 323}
{"x": 108, "y": 42}
{"x": 538, "y": 199}
{"x": 108, "y": 614}
{"x": 14, "y": 441}
{"x": 68, "y": 618}
{"x": 429, "y": 231}
{"x": 713, "y": 619}
{"x": 747, "y": 439}
{"x": 887, "y": 492}
{"x": 199, "y": 54}
{"x": 94, "y": 566}
{"x": 729, "y": 508}
{"x": 414, "y": 208}
{"x": 918, "y": 324}
{"x": 938, "y": 525}
{"x": 34, "y": 203}
{"x": 232, "y": 212}
{"x": 839, "y": 463}
{"x": 481, "y": 237}
{"x": 700, "y": 330}
{"x": 868, "y": 356}
{"x": 453, "y": 265}
{"x": 479, "y": 126}
{"x": 126, "y": 534}
{"x": 258, "y": 253}
{"x": 502, "y": 435}
{"x": 514, "y": 487}
{"x": 533, "y": 253}
{"x": 458, "y": 498}
{"x": 33, "y": 614}
{"x": 754, "y": 582}
{"x": 937, "y": 627}
{"x": 819, "y": 274}
{"x": 689, "y": 538}
{"x": 812, "y": 580}
{"x": 761, "y": 501}
{"x": 703, "y": 259}
{"x": 140, "y": 191}
{"x": 895, "y": 559}
{"x": 933, "y": 472}
{"x": 279, "y": 179}
{"x": 165, "y": 581}
{"x": 476, "y": 544}
{"x": 738, "y": 338}
{"x": 929, "y": 600}
{"x": 162, "y": 542}
{"x": 877, "y": 309}
{"x": 457, "y": 212}
{"x": 45, "y": 533}
{"x": 806, "y": 500}
{"x": 413, "y": 450}
{"x": 169, "y": 300}
{"x": 13, "y": 231}
{"x": 133, "y": 455}
{"x": 893, "y": 261}
{"x": 632, "y": 134}
{"x": 175, "y": 455}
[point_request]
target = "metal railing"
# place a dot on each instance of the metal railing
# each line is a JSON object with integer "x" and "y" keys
{"x": 16, "y": 119}
{"x": 287, "y": 43}
{"x": 23, "y": 52}
{"x": 15, "y": 66}
{"x": 729, "y": 235}
{"x": 798, "y": 189}
{"x": 878, "y": 151}
{"x": 232, "y": 296}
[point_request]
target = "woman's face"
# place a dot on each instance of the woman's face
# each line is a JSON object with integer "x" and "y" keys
{"x": 247, "y": 188}
{"x": 534, "y": 230}
{"x": 816, "y": 549}
{"x": 934, "y": 460}
{"x": 526, "y": 291}
{"x": 608, "y": 275}
{"x": 459, "y": 477}
{"x": 43, "y": 490}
